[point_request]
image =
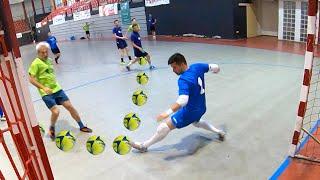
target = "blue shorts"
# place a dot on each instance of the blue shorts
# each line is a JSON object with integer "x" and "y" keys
{"x": 55, "y": 99}
{"x": 121, "y": 44}
{"x": 182, "y": 118}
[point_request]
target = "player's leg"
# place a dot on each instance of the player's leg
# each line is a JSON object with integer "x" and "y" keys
{"x": 127, "y": 53}
{"x": 54, "y": 117}
{"x": 162, "y": 131}
{"x": 149, "y": 61}
{"x": 209, "y": 127}
{"x": 136, "y": 59}
{"x": 121, "y": 51}
{"x": 63, "y": 99}
{"x": 50, "y": 102}
{"x": 57, "y": 56}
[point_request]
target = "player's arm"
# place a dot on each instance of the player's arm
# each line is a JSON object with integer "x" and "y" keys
{"x": 181, "y": 101}
{"x": 118, "y": 37}
{"x": 34, "y": 82}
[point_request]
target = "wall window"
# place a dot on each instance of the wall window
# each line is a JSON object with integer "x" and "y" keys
{"x": 289, "y": 8}
{"x": 304, "y": 21}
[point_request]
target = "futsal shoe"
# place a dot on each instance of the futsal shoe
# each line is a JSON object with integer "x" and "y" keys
{"x": 152, "y": 67}
{"x": 138, "y": 146}
{"x": 222, "y": 136}
{"x": 122, "y": 63}
{"x": 3, "y": 118}
{"x": 86, "y": 130}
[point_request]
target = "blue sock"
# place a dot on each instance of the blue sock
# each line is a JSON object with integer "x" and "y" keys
{"x": 80, "y": 124}
{"x": 1, "y": 112}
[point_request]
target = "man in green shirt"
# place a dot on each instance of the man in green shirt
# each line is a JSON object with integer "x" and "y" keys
{"x": 41, "y": 75}
{"x": 130, "y": 29}
{"x": 86, "y": 28}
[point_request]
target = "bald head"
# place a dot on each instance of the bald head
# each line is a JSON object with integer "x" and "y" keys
{"x": 42, "y": 50}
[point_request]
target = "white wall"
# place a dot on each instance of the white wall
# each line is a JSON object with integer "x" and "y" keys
{"x": 267, "y": 16}
{"x": 297, "y": 20}
{"x": 101, "y": 26}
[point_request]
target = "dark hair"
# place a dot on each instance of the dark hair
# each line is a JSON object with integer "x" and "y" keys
{"x": 134, "y": 25}
{"x": 115, "y": 21}
{"x": 133, "y": 19}
{"x": 177, "y": 58}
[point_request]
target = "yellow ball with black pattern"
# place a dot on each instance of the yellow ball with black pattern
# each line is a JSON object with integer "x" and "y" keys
{"x": 139, "y": 98}
{"x": 95, "y": 145}
{"x": 142, "y": 78}
{"x": 142, "y": 61}
{"x": 65, "y": 140}
{"x": 121, "y": 145}
{"x": 131, "y": 121}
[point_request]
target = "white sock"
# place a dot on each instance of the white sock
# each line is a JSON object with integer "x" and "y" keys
{"x": 206, "y": 126}
{"x": 162, "y": 131}
{"x": 130, "y": 63}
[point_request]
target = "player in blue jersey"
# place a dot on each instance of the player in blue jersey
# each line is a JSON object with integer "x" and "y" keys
{"x": 52, "y": 41}
{"x": 121, "y": 41}
{"x": 139, "y": 52}
{"x": 191, "y": 104}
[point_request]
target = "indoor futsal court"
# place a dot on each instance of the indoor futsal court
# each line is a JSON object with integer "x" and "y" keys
{"x": 160, "y": 89}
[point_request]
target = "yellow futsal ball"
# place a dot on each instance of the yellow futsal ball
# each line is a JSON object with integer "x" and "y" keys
{"x": 131, "y": 121}
{"x": 139, "y": 98}
{"x": 65, "y": 140}
{"x": 42, "y": 131}
{"x": 95, "y": 145}
{"x": 121, "y": 145}
{"x": 142, "y": 78}
{"x": 143, "y": 61}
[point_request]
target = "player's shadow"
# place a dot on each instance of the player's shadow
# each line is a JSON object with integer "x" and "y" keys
{"x": 188, "y": 146}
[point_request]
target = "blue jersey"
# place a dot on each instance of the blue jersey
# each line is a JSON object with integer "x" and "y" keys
{"x": 118, "y": 32}
{"x": 135, "y": 38}
{"x": 191, "y": 83}
{"x": 52, "y": 41}
{"x": 151, "y": 22}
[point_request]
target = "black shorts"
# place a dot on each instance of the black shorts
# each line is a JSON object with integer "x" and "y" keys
{"x": 55, "y": 51}
{"x": 138, "y": 53}
{"x": 87, "y": 32}
{"x": 121, "y": 44}
{"x": 152, "y": 28}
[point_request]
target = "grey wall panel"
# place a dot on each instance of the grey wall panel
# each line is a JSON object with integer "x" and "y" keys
{"x": 100, "y": 26}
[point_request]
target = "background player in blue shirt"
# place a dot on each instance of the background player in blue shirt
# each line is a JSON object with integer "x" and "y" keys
{"x": 137, "y": 48}
{"x": 52, "y": 41}
{"x": 152, "y": 26}
{"x": 121, "y": 41}
{"x": 191, "y": 104}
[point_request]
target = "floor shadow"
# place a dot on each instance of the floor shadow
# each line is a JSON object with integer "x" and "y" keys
{"x": 188, "y": 145}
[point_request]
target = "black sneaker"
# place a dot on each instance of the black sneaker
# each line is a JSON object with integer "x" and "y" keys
{"x": 86, "y": 130}
{"x": 52, "y": 134}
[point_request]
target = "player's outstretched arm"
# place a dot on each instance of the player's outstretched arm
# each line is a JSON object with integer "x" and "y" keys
{"x": 181, "y": 101}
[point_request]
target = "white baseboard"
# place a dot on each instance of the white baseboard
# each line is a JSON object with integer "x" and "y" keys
{"x": 269, "y": 33}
